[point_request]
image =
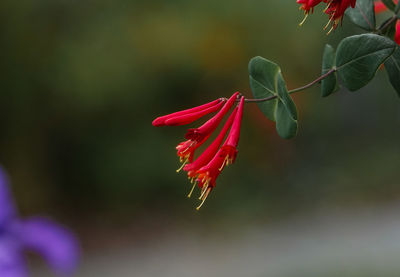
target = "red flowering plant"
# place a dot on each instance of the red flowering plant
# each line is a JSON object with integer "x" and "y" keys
{"x": 353, "y": 64}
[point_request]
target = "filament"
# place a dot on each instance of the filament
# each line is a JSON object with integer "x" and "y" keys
{"x": 204, "y": 189}
{"x": 183, "y": 165}
{"x": 304, "y": 20}
{"x": 191, "y": 191}
{"x": 204, "y": 199}
{"x": 226, "y": 160}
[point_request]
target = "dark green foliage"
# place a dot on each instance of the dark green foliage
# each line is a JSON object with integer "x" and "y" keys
{"x": 329, "y": 84}
{"x": 363, "y": 14}
{"x": 392, "y": 66}
{"x": 266, "y": 81}
{"x": 359, "y": 57}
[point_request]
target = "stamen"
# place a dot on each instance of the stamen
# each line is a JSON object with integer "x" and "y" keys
{"x": 223, "y": 164}
{"x": 183, "y": 165}
{"x": 327, "y": 7}
{"x": 204, "y": 189}
{"x": 204, "y": 199}
{"x": 333, "y": 27}
{"x": 327, "y": 25}
{"x": 304, "y": 20}
{"x": 191, "y": 191}
{"x": 187, "y": 148}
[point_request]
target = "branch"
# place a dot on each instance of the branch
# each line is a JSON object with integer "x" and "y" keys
{"x": 296, "y": 89}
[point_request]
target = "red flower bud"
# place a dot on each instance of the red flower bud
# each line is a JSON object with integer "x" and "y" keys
{"x": 161, "y": 121}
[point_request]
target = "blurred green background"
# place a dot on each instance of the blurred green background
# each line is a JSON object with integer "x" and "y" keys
{"x": 81, "y": 82}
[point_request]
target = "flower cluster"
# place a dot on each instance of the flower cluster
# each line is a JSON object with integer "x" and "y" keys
{"x": 57, "y": 245}
{"x": 334, "y": 9}
{"x": 380, "y": 7}
{"x": 204, "y": 170}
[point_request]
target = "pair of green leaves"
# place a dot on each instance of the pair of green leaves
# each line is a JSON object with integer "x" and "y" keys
{"x": 355, "y": 62}
{"x": 363, "y": 14}
{"x": 266, "y": 81}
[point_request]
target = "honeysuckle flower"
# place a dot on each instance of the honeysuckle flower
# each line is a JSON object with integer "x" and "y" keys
{"x": 207, "y": 175}
{"x": 307, "y": 6}
{"x": 187, "y": 116}
{"x": 198, "y": 134}
{"x": 55, "y": 244}
{"x": 211, "y": 150}
{"x": 335, "y": 9}
{"x": 186, "y": 151}
{"x": 187, "y": 148}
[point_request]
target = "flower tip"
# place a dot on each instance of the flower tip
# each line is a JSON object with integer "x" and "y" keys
{"x": 158, "y": 122}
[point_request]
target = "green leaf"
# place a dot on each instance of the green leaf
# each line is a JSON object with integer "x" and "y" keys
{"x": 286, "y": 112}
{"x": 389, "y": 4}
{"x": 266, "y": 81}
{"x": 392, "y": 66}
{"x": 359, "y": 57}
{"x": 263, "y": 75}
{"x": 363, "y": 14}
{"x": 329, "y": 84}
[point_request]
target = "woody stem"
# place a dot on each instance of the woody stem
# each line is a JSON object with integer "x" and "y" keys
{"x": 296, "y": 89}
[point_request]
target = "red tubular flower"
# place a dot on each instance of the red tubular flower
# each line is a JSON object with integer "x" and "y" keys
{"x": 207, "y": 175}
{"x": 308, "y": 5}
{"x": 186, "y": 151}
{"x": 189, "y": 118}
{"x": 207, "y": 128}
{"x": 161, "y": 121}
{"x": 211, "y": 150}
{"x": 335, "y": 9}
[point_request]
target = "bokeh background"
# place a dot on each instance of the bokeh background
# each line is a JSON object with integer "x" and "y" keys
{"x": 81, "y": 82}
